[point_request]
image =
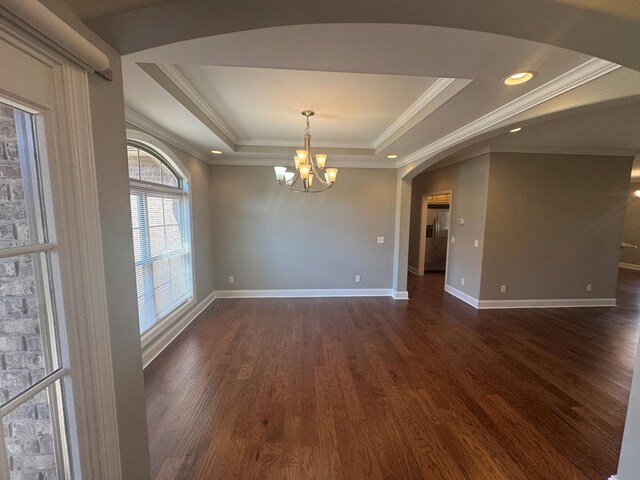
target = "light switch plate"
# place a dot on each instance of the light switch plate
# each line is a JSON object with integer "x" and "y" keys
{"x": 453, "y": 239}
{"x": 476, "y": 243}
{"x": 232, "y": 279}
{"x": 380, "y": 239}
{"x": 357, "y": 278}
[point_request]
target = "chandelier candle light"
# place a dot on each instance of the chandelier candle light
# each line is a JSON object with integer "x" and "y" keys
{"x": 309, "y": 176}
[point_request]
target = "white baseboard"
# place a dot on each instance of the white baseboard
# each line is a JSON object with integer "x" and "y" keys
{"x": 413, "y": 270}
{"x": 400, "y": 295}
{"x": 461, "y": 295}
{"x": 162, "y": 341}
{"x": 548, "y": 303}
{"x": 530, "y": 303}
{"x": 629, "y": 266}
{"x": 342, "y": 292}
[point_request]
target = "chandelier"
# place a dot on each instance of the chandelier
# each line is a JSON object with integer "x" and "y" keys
{"x": 309, "y": 176}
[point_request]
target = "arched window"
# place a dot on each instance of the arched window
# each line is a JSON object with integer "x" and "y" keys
{"x": 161, "y": 240}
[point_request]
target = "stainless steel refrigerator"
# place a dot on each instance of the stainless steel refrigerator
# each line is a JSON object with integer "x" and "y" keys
{"x": 438, "y": 220}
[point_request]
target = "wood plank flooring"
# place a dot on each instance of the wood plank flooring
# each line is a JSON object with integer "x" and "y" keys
{"x": 371, "y": 388}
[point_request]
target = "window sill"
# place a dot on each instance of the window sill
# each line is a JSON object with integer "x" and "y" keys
{"x": 159, "y": 328}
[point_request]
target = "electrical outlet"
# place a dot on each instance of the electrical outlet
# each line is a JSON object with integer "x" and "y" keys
{"x": 453, "y": 239}
{"x": 380, "y": 240}
{"x": 503, "y": 289}
{"x": 232, "y": 279}
{"x": 476, "y": 243}
{"x": 357, "y": 278}
{"x": 589, "y": 287}
{"x": 462, "y": 281}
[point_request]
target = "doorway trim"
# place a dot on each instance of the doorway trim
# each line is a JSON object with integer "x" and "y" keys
{"x": 422, "y": 241}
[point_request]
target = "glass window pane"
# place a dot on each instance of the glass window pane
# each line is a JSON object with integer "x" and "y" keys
{"x": 31, "y": 437}
{"x": 134, "y": 166}
{"x": 140, "y": 281}
{"x": 174, "y": 239}
{"x": 161, "y": 272}
{"x": 155, "y": 211}
{"x": 150, "y": 167}
{"x": 162, "y": 297}
{"x": 168, "y": 177}
{"x": 25, "y": 325}
{"x": 157, "y": 241}
{"x": 172, "y": 211}
{"x": 146, "y": 313}
{"x": 20, "y": 210}
{"x": 137, "y": 247}
{"x": 135, "y": 216}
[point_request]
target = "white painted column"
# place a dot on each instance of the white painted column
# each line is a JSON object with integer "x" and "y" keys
{"x": 401, "y": 238}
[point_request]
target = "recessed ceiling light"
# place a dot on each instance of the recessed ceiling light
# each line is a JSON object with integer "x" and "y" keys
{"x": 515, "y": 130}
{"x": 393, "y": 155}
{"x": 518, "y": 78}
{"x": 216, "y": 152}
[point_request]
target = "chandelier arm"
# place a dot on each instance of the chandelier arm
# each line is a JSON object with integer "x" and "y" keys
{"x": 317, "y": 175}
{"x": 307, "y": 191}
{"x": 292, "y": 181}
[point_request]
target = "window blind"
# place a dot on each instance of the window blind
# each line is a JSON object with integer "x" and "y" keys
{"x": 162, "y": 252}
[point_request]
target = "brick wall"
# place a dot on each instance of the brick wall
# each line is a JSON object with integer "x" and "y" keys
{"x": 27, "y": 430}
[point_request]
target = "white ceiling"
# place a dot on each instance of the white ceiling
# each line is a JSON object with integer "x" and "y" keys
{"x": 360, "y": 79}
{"x": 263, "y": 105}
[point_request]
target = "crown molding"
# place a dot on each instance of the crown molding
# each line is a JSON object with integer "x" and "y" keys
{"x": 563, "y": 151}
{"x": 270, "y": 162}
{"x": 420, "y": 104}
{"x": 298, "y": 144}
{"x": 584, "y": 73}
{"x": 143, "y": 123}
{"x": 478, "y": 151}
{"x": 185, "y": 86}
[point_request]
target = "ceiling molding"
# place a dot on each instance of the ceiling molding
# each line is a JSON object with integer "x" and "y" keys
{"x": 427, "y": 97}
{"x": 478, "y": 151}
{"x": 164, "y": 76}
{"x": 183, "y": 84}
{"x": 298, "y": 144}
{"x": 563, "y": 150}
{"x": 584, "y": 73}
{"x": 270, "y": 162}
{"x": 284, "y": 150}
{"x": 143, "y": 123}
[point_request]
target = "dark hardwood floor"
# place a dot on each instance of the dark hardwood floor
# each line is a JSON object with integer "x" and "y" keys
{"x": 366, "y": 388}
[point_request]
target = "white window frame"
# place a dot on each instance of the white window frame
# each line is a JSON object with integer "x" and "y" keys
{"x": 66, "y": 154}
{"x": 159, "y": 148}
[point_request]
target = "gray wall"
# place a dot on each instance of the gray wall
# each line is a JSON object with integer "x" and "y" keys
{"x": 554, "y": 224}
{"x": 468, "y": 181}
{"x": 108, "y": 125}
{"x": 201, "y": 215}
{"x": 632, "y": 227}
{"x": 271, "y": 238}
